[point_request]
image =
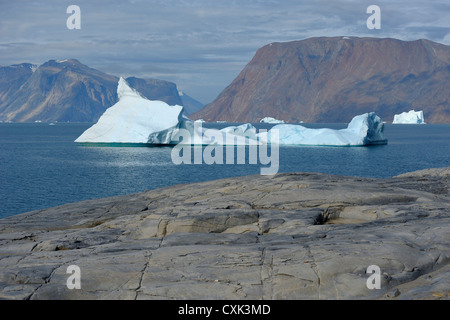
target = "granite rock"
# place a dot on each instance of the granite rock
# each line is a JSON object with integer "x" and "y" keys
{"x": 287, "y": 236}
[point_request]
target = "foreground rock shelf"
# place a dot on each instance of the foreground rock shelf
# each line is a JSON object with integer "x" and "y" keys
{"x": 289, "y": 236}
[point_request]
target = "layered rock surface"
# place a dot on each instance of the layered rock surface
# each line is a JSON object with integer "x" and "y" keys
{"x": 288, "y": 236}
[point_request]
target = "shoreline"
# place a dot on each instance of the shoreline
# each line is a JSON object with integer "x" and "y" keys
{"x": 288, "y": 236}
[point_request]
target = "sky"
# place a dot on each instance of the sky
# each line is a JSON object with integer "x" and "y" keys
{"x": 201, "y": 45}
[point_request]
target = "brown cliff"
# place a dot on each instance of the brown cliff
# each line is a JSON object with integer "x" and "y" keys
{"x": 334, "y": 79}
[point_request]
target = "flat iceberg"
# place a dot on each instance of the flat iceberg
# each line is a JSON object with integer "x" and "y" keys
{"x": 363, "y": 130}
{"x": 193, "y": 133}
{"x": 411, "y": 117}
{"x": 132, "y": 119}
{"x": 271, "y": 120}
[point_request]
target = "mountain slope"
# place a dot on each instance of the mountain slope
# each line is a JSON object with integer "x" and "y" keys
{"x": 67, "y": 90}
{"x": 59, "y": 91}
{"x": 156, "y": 90}
{"x": 190, "y": 104}
{"x": 333, "y": 79}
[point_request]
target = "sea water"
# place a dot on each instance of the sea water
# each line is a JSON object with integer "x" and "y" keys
{"x": 41, "y": 166}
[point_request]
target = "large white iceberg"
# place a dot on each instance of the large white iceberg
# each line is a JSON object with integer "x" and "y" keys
{"x": 135, "y": 119}
{"x": 132, "y": 119}
{"x": 271, "y": 120}
{"x": 411, "y": 117}
{"x": 363, "y": 130}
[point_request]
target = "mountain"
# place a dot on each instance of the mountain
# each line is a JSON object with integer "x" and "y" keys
{"x": 67, "y": 90}
{"x": 156, "y": 90}
{"x": 333, "y": 79}
{"x": 58, "y": 91}
{"x": 12, "y": 77}
{"x": 190, "y": 104}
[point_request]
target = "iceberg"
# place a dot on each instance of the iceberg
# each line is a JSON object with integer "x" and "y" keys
{"x": 132, "y": 119}
{"x": 244, "y": 130}
{"x": 363, "y": 130}
{"x": 271, "y": 120}
{"x": 137, "y": 120}
{"x": 193, "y": 133}
{"x": 411, "y": 117}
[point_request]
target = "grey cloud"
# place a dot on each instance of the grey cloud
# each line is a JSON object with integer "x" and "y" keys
{"x": 199, "y": 44}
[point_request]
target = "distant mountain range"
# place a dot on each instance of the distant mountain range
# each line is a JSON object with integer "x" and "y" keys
{"x": 333, "y": 79}
{"x": 67, "y": 90}
{"x": 314, "y": 80}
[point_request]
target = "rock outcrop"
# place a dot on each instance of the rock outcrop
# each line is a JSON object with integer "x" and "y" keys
{"x": 331, "y": 80}
{"x": 288, "y": 236}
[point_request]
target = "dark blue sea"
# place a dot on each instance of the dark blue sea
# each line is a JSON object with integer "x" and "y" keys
{"x": 41, "y": 166}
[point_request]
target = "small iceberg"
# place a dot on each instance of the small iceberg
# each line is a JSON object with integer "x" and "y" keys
{"x": 271, "y": 120}
{"x": 411, "y": 117}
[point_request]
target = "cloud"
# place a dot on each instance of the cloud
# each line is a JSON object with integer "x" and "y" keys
{"x": 199, "y": 44}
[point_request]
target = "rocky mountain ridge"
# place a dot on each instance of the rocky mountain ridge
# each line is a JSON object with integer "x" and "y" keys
{"x": 333, "y": 79}
{"x": 67, "y": 90}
